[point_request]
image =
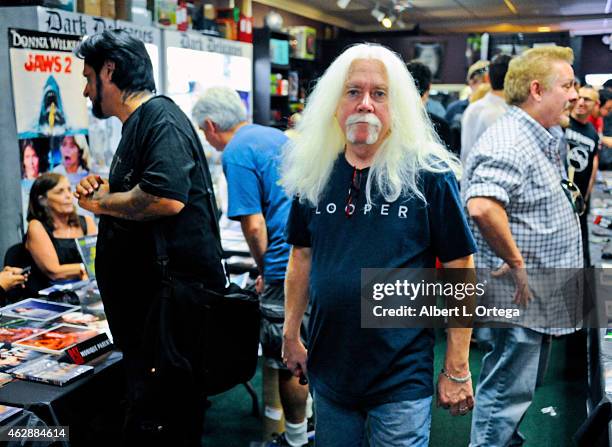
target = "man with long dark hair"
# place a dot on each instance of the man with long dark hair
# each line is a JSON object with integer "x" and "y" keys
{"x": 156, "y": 185}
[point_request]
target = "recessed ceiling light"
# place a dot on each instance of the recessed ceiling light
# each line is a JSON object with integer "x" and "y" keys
{"x": 387, "y": 22}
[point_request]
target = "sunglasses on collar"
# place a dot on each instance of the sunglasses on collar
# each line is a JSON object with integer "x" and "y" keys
{"x": 573, "y": 194}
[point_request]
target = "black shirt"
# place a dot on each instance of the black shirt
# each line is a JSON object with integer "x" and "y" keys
{"x": 161, "y": 152}
{"x": 583, "y": 143}
{"x": 442, "y": 129}
{"x": 347, "y": 363}
{"x": 67, "y": 253}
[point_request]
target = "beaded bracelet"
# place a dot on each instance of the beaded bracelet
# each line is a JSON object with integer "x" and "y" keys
{"x": 456, "y": 379}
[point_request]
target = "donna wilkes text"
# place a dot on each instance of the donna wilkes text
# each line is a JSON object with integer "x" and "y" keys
{"x": 434, "y": 311}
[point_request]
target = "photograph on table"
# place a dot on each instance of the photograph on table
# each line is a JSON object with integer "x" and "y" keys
{"x": 38, "y": 310}
{"x": 15, "y": 329}
{"x": 16, "y": 356}
{"x": 59, "y": 338}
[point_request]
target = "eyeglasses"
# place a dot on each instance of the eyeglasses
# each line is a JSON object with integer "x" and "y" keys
{"x": 353, "y": 193}
{"x": 574, "y": 195}
{"x": 586, "y": 99}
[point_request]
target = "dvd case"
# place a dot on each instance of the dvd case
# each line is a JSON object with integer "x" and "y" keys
{"x": 47, "y": 370}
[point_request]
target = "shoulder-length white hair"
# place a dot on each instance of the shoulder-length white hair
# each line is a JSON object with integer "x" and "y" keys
{"x": 411, "y": 146}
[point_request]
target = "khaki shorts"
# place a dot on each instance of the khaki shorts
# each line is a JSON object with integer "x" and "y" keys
{"x": 272, "y": 319}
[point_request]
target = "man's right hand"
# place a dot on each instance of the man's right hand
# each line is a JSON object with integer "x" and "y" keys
{"x": 522, "y": 294}
{"x": 90, "y": 191}
{"x": 88, "y": 185}
{"x": 295, "y": 356}
{"x": 260, "y": 284}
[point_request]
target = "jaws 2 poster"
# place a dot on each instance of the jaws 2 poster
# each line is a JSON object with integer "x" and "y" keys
{"x": 50, "y": 110}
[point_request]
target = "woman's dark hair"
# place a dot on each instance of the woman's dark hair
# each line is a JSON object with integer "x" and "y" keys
{"x": 497, "y": 71}
{"x": 22, "y": 146}
{"x": 133, "y": 69}
{"x": 43, "y": 163}
{"x": 421, "y": 75}
{"x": 38, "y": 209}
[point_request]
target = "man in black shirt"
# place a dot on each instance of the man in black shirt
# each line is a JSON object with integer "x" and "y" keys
{"x": 156, "y": 184}
{"x": 582, "y": 154}
{"x": 422, "y": 79}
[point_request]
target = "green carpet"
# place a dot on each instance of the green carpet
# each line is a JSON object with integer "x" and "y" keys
{"x": 564, "y": 388}
{"x": 229, "y": 422}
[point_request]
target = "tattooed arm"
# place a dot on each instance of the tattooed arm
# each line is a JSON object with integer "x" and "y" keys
{"x": 93, "y": 194}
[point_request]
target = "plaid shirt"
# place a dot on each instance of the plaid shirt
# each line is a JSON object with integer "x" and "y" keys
{"x": 517, "y": 162}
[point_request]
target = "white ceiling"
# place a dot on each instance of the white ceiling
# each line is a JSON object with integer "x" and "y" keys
{"x": 576, "y": 16}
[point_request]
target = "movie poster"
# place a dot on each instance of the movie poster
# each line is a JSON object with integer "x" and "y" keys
{"x": 50, "y": 109}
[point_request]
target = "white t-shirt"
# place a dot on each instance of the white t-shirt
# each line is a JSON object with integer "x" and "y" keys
{"x": 477, "y": 118}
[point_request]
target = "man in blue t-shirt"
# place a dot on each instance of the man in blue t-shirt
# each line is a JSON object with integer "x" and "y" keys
{"x": 251, "y": 156}
{"x": 370, "y": 192}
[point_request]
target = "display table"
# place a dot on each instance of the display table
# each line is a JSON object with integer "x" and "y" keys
{"x": 24, "y": 419}
{"x": 90, "y": 406}
{"x": 236, "y": 253}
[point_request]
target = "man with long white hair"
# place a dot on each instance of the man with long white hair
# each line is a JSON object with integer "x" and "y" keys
{"x": 373, "y": 188}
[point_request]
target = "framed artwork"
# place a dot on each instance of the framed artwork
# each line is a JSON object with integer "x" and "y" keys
{"x": 432, "y": 55}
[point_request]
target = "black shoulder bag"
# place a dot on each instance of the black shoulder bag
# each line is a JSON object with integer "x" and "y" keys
{"x": 200, "y": 334}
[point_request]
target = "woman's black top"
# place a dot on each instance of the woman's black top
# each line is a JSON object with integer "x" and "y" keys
{"x": 67, "y": 253}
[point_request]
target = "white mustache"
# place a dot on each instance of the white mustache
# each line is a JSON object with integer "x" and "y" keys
{"x": 368, "y": 118}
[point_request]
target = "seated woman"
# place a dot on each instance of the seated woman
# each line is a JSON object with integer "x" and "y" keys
{"x": 53, "y": 226}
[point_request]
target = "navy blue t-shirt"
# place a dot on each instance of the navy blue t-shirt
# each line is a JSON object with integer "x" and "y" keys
{"x": 251, "y": 166}
{"x": 346, "y": 363}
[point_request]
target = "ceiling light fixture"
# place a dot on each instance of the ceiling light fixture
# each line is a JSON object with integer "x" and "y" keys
{"x": 343, "y": 3}
{"x": 543, "y": 29}
{"x": 378, "y": 13}
{"x": 387, "y": 22}
{"x": 511, "y": 6}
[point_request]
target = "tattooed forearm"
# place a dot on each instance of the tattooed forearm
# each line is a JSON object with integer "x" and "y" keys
{"x": 136, "y": 205}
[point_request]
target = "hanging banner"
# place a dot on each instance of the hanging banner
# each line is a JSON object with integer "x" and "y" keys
{"x": 50, "y": 110}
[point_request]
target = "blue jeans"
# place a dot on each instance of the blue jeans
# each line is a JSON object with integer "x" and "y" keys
{"x": 506, "y": 385}
{"x": 396, "y": 424}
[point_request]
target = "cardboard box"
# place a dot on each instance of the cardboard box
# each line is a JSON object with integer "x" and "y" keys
{"x": 123, "y": 10}
{"x": 108, "y": 8}
{"x": 90, "y": 7}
